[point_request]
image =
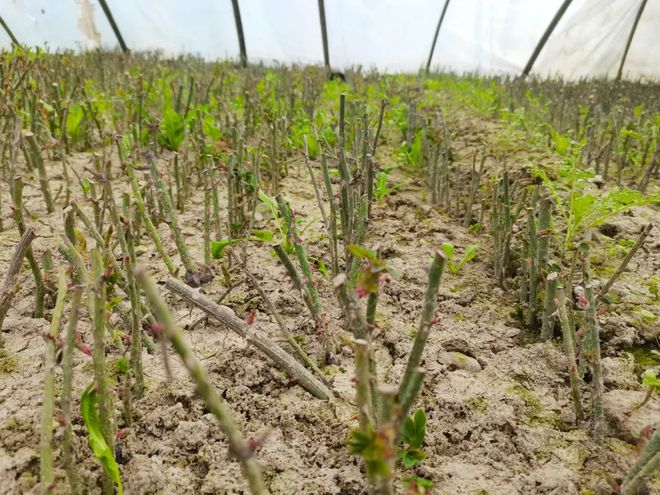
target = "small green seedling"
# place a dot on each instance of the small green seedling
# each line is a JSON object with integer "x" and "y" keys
{"x": 417, "y": 486}
{"x": 470, "y": 253}
{"x": 646, "y": 315}
{"x": 320, "y": 265}
{"x": 172, "y": 130}
{"x": 414, "y": 431}
{"x": 369, "y": 279}
{"x": 653, "y": 285}
{"x": 475, "y": 228}
{"x": 218, "y": 247}
{"x": 96, "y": 441}
{"x": 381, "y": 188}
{"x": 651, "y": 383}
{"x": 373, "y": 445}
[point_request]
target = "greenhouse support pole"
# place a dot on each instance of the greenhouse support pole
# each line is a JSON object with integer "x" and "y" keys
{"x": 239, "y": 31}
{"x": 14, "y": 41}
{"x": 551, "y": 27}
{"x": 435, "y": 36}
{"x": 630, "y": 38}
{"x": 113, "y": 25}
{"x": 324, "y": 35}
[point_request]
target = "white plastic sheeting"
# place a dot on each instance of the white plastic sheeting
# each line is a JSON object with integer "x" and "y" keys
{"x": 486, "y": 36}
{"x": 491, "y": 36}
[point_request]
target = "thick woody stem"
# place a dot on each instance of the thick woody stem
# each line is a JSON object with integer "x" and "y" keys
{"x": 569, "y": 350}
{"x": 228, "y": 318}
{"x": 10, "y": 287}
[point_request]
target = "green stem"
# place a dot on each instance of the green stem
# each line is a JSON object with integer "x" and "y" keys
{"x": 17, "y": 196}
{"x": 165, "y": 200}
{"x": 360, "y": 233}
{"x": 47, "y": 476}
{"x": 646, "y": 464}
{"x": 387, "y": 418}
{"x": 362, "y": 384}
{"x": 153, "y": 233}
{"x": 97, "y": 311}
{"x": 569, "y": 350}
{"x": 67, "y": 384}
{"x": 237, "y": 444}
{"x": 591, "y": 324}
{"x": 294, "y": 237}
{"x": 532, "y": 252}
{"x": 123, "y": 234}
{"x": 430, "y": 302}
{"x": 548, "y": 319}
{"x": 38, "y": 160}
{"x": 332, "y": 226}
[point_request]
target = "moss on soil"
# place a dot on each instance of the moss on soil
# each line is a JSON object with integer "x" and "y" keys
{"x": 478, "y": 404}
{"x": 533, "y": 411}
{"x": 8, "y": 362}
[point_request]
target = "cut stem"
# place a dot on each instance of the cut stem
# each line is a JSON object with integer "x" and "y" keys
{"x": 17, "y": 197}
{"x": 237, "y": 444}
{"x": 228, "y": 318}
{"x": 166, "y": 201}
{"x": 430, "y": 302}
{"x": 46, "y": 473}
{"x": 569, "y": 350}
{"x": 146, "y": 217}
{"x": 624, "y": 264}
{"x": 10, "y": 286}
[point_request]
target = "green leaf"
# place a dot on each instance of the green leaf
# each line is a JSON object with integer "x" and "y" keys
{"x": 122, "y": 365}
{"x": 172, "y": 130}
{"x": 323, "y": 269}
{"x": 96, "y": 440}
{"x": 274, "y": 210}
{"x": 448, "y": 249}
{"x": 378, "y": 466}
{"x": 359, "y": 442}
{"x": 265, "y": 198}
{"x": 86, "y": 186}
{"x": 412, "y": 457}
{"x": 74, "y": 122}
{"x": 210, "y": 127}
{"x": 647, "y": 315}
{"x": 381, "y": 189}
{"x": 218, "y": 247}
{"x": 470, "y": 253}
{"x": 363, "y": 252}
{"x": 650, "y": 381}
{"x": 474, "y": 229}
{"x": 262, "y": 235}
{"x": 414, "y": 429}
{"x": 112, "y": 303}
